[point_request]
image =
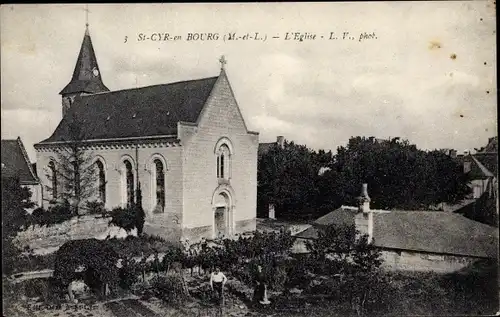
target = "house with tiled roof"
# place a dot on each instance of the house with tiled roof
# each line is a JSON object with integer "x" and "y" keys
{"x": 184, "y": 144}
{"x": 413, "y": 240}
{"x": 482, "y": 167}
{"x": 16, "y": 164}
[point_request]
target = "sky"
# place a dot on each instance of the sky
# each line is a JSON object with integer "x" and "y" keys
{"x": 426, "y": 75}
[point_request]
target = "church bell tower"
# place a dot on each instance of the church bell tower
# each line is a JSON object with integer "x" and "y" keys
{"x": 86, "y": 76}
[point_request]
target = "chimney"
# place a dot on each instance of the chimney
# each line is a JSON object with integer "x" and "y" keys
{"x": 272, "y": 214}
{"x": 364, "y": 218}
{"x": 280, "y": 140}
{"x": 364, "y": 204}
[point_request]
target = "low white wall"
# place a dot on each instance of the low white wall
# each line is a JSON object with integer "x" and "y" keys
{"x": 418, "y": 261}
{"x": 299, "y": 246}
{"x": 411, "y": 261}
{"x": 50, "y": 238}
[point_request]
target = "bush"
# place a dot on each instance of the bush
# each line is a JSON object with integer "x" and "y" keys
{"x": 298, "y": 273}
{"x": 128, "y": 218}
{"x": 97, "y": 258}
{"x": 128, "y": 273}
{"x": 55, "y": 215}
{"x": 171, "y": 255}
{"x": 203, "y": 292}
{"x": 169, "y": 288}
{"x": 10, "y": 255}
{"x": 96, "y": 207}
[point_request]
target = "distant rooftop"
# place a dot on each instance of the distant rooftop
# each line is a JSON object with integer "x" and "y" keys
{"x": 426, "y": 231}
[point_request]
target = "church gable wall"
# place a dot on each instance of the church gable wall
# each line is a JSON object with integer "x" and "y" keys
{"x": 219, "y": 119}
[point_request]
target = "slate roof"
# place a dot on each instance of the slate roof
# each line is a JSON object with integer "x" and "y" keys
{"x": 488, "y": 156}
{"x": 488, "y": 160}
{"x": 425, "y": 231}
{"x": 15, "y": 162}
{"x": 484, "y": 171}
{"x": 86, "y": 76}
{"x": 492, "y": 146}
{"x": 343, "y": 215}
{"x": 139, "y": 112}
{"x": 436, "y": 232}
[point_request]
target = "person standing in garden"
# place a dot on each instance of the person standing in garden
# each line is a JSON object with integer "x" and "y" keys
{"x": 259, "y": 285}
{"x": 204, "y": 244}
{"x": 217, "y": 282}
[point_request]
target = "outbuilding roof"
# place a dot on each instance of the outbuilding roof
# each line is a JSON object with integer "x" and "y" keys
{"x": 425, "y": 231}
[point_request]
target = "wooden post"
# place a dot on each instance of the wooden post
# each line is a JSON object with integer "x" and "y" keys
{"x": 70, "y": 293}
{"x": 143, "y": 267}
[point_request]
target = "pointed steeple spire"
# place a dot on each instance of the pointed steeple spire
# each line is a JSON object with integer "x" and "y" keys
{"x": 86, "y": 76}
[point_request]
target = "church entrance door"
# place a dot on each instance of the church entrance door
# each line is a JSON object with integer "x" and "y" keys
{"x": 220, "y": 222}
{"x": 222, "y": 215}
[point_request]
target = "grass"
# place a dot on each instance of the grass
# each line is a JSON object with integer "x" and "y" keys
{"x": 467, "y": 292}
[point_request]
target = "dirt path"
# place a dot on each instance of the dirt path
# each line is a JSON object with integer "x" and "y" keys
{"x": 130, "y": 308}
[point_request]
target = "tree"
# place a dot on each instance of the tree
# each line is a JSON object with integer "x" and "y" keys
{"x": 74, "y": 168}
{"x": 398, "y": 174}
{"x": 288, "y": 178}
{"x": 15, "y": 201}
{"x": 341, "y": 251}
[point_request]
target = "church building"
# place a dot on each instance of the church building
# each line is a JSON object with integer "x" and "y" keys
{"x": 185, "y": 144}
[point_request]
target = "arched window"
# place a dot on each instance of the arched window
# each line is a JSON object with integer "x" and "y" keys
{"x": 160, "y": 184}
{"x": 53, "y": 178}
{"x": 223, "y": 162}
{"x": 129, "y": 177}
{"x": 102, "y": 181}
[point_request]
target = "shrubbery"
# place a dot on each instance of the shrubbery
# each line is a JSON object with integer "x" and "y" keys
{"x": 129, "y": 273}
{"x": 352, "y": 268}
{"x": 97, "y": 259}
{"x": 56, "y": 214}
{"x": 15, "y": 201}
{"x": 96, "y": 207}
{"x": 169, "y": 288}
{"x": 128, "y": 218}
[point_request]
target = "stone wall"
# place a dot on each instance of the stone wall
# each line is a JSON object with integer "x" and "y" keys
{"x": 48, "y": 239}
{"x": 112, "y": 157}
{"x": 418, "y": 261}
{"x": 410, "y": 261}
{"x": 194, "y": 235}
{"x": 299, "y": 246}
{"x": 36, "y": 196}
{"x": 248, "y": 225}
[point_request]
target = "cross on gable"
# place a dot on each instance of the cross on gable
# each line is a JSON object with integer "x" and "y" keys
{"x": 87, "y": 15}
{"x": 222, "y": 61}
